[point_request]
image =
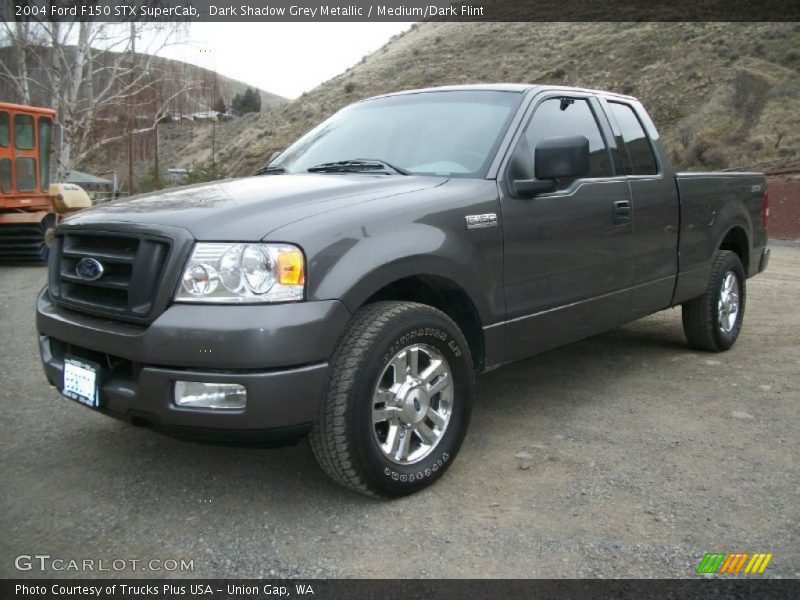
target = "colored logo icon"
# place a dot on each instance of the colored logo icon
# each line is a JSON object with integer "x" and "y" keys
{"x": 734, "y": 563}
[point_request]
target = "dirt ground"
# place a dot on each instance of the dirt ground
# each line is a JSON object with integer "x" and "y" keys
{"x": 643, "y": 455}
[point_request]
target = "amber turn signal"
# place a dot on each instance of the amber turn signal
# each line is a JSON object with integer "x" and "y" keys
{"x": 291, "y": 269}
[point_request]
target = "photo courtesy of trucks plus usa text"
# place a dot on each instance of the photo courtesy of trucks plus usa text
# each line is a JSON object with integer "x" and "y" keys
{"x": 355, "y": 287}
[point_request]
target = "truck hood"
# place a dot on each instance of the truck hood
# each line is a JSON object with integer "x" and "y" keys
{"x": 249, "y": 209}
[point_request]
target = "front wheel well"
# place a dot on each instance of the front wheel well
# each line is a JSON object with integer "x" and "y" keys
{"x": 736, "y": 241}
{"x": 446, "y": 296}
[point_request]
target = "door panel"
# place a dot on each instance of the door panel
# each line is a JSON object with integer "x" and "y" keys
{"x": 655, "y": 240}
{"x": 564, "y": 250}
{"x": 567, "y": 254}
{"x": 655, "y": 209}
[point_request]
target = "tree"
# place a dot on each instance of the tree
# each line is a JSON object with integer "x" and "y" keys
{"x": 219, "y": 106}
{"x": 94, "y": 78}
{"x": 203, "y": 172}
{"x": 150, "y": 181}
{"x": 236, "y": 104}
{"x": 249, "y": 101}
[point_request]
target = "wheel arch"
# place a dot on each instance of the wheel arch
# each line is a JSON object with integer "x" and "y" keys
{"x": 445, "y": 295}
{"x": 737, "y": 241}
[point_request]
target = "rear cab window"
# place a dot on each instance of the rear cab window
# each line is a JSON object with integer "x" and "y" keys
{"x": 642, "y": 159}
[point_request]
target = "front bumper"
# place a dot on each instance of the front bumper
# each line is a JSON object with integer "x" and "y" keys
{"x": 278, "y": 353}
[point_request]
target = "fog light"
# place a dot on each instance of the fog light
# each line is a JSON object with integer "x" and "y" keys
{"x": 195, "y": 394}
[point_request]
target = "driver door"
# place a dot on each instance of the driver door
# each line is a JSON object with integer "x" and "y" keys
{"x": 567, "y": 253}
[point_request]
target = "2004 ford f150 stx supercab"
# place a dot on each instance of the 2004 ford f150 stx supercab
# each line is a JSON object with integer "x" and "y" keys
{"x": 355, "y": 287}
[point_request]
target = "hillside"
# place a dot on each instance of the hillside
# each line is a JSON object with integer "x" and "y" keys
{"x": 722, "y": 94}
{"x": 204, "y": 85}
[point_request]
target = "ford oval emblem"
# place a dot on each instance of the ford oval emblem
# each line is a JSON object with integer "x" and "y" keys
{"x": 89, "y": 269}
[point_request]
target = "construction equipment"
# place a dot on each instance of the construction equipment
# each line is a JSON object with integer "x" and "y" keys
{"x": 30, "y": 208}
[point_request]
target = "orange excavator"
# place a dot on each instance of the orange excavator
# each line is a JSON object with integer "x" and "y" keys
{"x": 30, "y": 208}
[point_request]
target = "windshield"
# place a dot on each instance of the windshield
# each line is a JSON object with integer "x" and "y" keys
{"x": 428, "y": 133}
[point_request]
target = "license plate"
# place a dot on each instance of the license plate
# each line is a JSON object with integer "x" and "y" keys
{"x": 81, "y": 382}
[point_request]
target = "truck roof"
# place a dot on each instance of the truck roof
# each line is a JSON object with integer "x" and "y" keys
{"x": 501, "y": 87}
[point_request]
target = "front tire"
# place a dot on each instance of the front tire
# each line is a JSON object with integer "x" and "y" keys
{"x": 398, "y": 400}
{"x": 713, "y": 321}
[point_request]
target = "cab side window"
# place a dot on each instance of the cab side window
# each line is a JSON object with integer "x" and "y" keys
{"x": 5, "y": 138}
{"x": 5, "y": 175}
{"x": 45, "y": 138}
{"x": 23, "y": 132}
{"x": 5, "y": 163}
{"x": 640, "y": 152}
{"x": 26, "y": 174}
{"x": 558, "y": 117}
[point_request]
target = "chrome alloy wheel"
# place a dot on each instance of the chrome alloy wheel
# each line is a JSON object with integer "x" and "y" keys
{"x": 412, "y": 404}
{"x": 728, "y": 304}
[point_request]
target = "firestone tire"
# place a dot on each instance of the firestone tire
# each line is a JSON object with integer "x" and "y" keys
{"x": 713, "y": 321}
{"x": 398, "y": 400}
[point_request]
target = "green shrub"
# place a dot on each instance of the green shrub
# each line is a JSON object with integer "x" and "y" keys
{"x": 150, "y": 181}
{"x": 209, "y": 171}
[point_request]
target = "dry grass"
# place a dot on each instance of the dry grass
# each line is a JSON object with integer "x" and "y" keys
{"x": 722, "y": 94}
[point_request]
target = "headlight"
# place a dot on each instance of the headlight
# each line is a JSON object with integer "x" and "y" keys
{"x": 243, "y": 273}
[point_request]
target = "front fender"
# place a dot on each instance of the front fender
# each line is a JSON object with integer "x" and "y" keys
{"x": 371, "y": 263}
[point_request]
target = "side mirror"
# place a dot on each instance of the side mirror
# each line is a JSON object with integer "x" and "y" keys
{"x": 565, "y": 157}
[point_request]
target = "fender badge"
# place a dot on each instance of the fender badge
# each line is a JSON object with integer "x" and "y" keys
{"x": 480, "y": 221}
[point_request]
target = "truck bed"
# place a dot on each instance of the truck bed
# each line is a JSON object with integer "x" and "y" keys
{"x": 710, "y": 203}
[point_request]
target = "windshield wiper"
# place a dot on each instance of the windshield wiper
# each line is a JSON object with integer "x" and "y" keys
{"x": 356, "y": 165}
{"x": 271, "y": 170}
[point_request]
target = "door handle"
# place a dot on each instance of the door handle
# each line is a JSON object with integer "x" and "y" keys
{"x": 622, "y": 212}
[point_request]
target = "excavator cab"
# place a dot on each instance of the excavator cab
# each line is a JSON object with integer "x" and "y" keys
{"x": 30, "y": 207}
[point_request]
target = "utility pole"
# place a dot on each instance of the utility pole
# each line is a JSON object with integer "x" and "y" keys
{"x": 155, "y": 162}
{"x": 213, "y": 142}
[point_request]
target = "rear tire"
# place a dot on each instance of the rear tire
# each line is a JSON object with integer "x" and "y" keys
{"x": 713, "y": 321}
{"x": 397, "y": 402}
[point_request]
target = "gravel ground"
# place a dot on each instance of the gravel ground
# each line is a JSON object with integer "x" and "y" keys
{"x": 624, "y": 455}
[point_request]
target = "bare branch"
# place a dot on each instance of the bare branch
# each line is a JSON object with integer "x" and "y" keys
{"x": 92, "y": 75}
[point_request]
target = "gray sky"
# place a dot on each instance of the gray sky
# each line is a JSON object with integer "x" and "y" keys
{"x": 284, "y": 58}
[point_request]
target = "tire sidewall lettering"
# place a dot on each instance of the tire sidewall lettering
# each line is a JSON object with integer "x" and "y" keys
{"x": 419, "y": 475}
{"x": 412, "y": 336}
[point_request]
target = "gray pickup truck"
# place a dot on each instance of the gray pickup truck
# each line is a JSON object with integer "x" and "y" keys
{"x": 355, "y": 287}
